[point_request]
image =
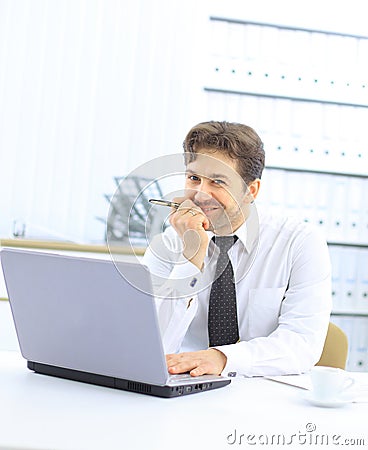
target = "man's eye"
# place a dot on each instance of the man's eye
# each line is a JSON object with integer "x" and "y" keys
{"x": 193, "y": 178}
{"x": 218, "y": 181}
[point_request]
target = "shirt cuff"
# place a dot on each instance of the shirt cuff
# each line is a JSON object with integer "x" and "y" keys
{"x": 239, "y": 359}
{"x": 188, "y": 280}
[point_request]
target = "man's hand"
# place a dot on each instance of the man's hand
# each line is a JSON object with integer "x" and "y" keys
{"x": 203, "y": 362}
{"x": 190, "y": 223}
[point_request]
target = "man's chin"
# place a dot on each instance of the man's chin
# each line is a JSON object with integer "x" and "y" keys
{"x": 220, "y": 228}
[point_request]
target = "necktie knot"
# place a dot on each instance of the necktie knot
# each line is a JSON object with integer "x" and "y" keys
{"x": 224, "y": 243}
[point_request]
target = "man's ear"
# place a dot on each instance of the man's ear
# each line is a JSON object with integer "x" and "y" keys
{"x": 253, "y": 189}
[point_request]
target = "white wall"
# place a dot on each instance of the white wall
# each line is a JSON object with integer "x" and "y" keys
{"x": 89, "y": 89}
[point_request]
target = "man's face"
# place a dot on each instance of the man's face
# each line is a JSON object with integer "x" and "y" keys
{"x": 213, "y": 183}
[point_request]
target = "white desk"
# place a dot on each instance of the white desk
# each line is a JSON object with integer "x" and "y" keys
{"x": 42, "y": 412}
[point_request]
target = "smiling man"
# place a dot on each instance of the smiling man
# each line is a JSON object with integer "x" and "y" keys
{"x": 238, "y": 291}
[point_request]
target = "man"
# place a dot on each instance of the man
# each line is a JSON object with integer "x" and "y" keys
{"x": 280, "y": 268}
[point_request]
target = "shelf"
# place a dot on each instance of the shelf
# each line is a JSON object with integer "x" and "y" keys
{"x": 350, "y": 314}
{"x": 71, "y": 246}
{"x": 346, "y": 244}
{"x": 285, "y": 27}
{"x": 324, "y": 172}
{"x": 284, "y": 97}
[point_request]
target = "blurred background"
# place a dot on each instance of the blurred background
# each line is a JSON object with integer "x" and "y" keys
{"x": 92, "y": 89}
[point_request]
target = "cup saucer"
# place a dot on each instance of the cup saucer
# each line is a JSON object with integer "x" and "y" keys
{"x": 341, "y": 400}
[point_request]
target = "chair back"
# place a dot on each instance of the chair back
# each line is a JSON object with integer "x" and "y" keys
{"x": 335, "y": 350}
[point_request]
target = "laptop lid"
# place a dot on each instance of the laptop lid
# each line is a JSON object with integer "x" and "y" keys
{"x": 80, "y": 313}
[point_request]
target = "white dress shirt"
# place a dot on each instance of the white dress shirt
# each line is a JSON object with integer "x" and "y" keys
{"x": 283, "y": 287}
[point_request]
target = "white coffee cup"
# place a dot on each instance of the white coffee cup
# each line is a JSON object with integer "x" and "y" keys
{"x": 329, "y": 383}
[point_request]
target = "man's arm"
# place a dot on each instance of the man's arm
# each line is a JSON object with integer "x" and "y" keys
{"x": 176, "y": 282}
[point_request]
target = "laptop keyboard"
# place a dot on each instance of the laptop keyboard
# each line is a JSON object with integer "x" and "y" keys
{"x": 184, "y": 378}
{"x": 180, "y": 377}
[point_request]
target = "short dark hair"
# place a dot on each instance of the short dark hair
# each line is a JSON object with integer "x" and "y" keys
{"x": 239, "y": 142}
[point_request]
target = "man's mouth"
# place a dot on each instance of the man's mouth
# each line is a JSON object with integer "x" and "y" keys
{"x": 209, "y": 209}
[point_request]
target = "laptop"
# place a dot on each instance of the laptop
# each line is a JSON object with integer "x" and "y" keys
{"x": 79, "y": 318}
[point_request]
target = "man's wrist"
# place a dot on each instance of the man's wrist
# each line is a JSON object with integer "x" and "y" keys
{"x": 196, "y": 260}
{"x": 222, "y": 358}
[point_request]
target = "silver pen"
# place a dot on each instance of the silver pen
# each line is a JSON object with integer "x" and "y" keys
{"x": 164, "y": 203}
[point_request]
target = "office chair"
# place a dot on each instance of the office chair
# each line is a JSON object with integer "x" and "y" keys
{"x": 131, "y": 218}
{"x": 335, "y": 349}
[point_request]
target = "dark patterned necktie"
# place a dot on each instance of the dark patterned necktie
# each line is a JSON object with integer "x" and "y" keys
{"x": 222, "y": 313}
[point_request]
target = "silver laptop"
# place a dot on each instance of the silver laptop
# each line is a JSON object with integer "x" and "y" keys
{"x": 79, "y": 318}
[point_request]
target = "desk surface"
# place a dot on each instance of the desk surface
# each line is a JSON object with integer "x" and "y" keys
{"x": 71, "y": 246}
{"x": 41, "y": 412}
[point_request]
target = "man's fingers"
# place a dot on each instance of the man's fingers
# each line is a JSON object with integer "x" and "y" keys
{"x": 182, "y": 362}
{"x": 198, "y": 371}
{"x": 196, "y": 363}
{"x": 182, "y": 366}
{"x": 175, "y": 358}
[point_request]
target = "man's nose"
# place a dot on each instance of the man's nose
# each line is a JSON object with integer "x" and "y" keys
{"x": 202, "y": 192}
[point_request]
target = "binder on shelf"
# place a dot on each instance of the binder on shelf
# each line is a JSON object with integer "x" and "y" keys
{"x": 337, "y": 208}
{"x": 336, "y": 278}
{"x": 353, "y": 225}
{"x": 356, "y": 329}
{"x": 350, "y": 278}
{"x": 321, "y": 198}
{"x": 232, "y": 106}
{"x": 216, "y": 105}
{"x": 249, "y": 112}
{"x": 293, "y": 194}
{"x": 362, "y": 280}
{"x": 362, "y": 60}
{"x": 358, "y": 360}
{"x": 283, "y": 121}
{"x": 235, "y": 41}
{"x": 272, "y": 193}
{"x": 218, "y": 43}
{"x": 252, "y": 42}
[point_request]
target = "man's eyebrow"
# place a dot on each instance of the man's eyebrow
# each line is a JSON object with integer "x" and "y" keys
{"x": 220, "y": 175}
{"x": 211, "y": 177}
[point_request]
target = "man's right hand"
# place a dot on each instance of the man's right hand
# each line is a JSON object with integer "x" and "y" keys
{"x": 191, "y": 224}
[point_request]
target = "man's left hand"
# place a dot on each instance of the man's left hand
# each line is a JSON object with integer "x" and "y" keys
{"x": 203, "y": 362}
